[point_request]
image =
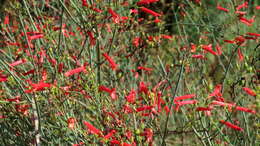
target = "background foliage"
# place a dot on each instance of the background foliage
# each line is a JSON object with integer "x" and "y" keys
{"x": 136, "y": 72}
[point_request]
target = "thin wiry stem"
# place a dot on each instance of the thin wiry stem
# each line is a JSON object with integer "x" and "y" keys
{"x": 60, "y": 33}
{"x": 171, "y": 103}
{"x": 228, "y": 67}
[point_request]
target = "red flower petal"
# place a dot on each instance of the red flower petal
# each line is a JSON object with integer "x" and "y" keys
{"x": 203, "y": 109}
{"x": 146, "y": 2}
{"x": 209, "y": 49}
{"x": 104, "y": 88}
{"x": 144, "y": 68}
{"x": 71, "y": 123}
{"x": 254, "y": 34}
{"x": 74, "y": 71}
{"x": 222, "y": 9}
{"x": 230, "y": 125}
{"x": 110, "y": 134}
{"x": 18, "y": 62}
{"x": 131, "y": 96}
{"x": 84, "y": 3}
{"x": 244, "y": 5}
{"x": 240, "y": 55}
{"x": 150, "y": 12}
{"x": 249, "y": 91}
{"x": 143, "y": 108}
{"x": 6, "y": 20}
{"x": 112, "y": 63}
{"x": 180, "y": 103}
{"x": 217, "y": 91}
{"x": 92, "y": 129}
{"x": 143, "y": 88}
{"x": 184, "y": 97}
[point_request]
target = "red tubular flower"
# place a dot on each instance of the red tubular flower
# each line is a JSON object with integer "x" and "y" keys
{"x": 36, "y": 36}
{"x": 60, "y": 67}
{"x": 71, "y": 123}
{"x": 184, "y": 97}
{"x": 240, "y": 55}
{"x": 56, "y": 28}
{"x": 223, "y": 104}
{"x": 24, "y": 109}
{"x": 29, "y": 72}
{"x": 193, "y": 47}
{"x": 254, "y": 34}
{"x": 74, "y": 71}
{"x": 110, "y": 134}
{"x": 181, "y": 103}
{"x": 244, "y": 5}
{"x": 104, "y": 88}
{"x": 166, "y": 36}
{"x": 134, "y": 11}
{"x": 112, "y": 92}
{"x": 112, "y": 63}
{"x": 126, "y": 144}
{"x": 241, "y": 13}
{"x": 230, "y": 106}
{"x": 240, "y": 40}
{"x": 148, "y": 11}
{"x": 115, "y": 142}
{"x": 143, "y": 108}
{"x": 157, "y": 20}
{"x": 222, "y": 9}
{"x": 6, "y": 20}
{"x": 249, "y": 91}
{"x": 144, "y": 68}
{"x": 84, "y": 3}
{"x": 239, "y": 108}
{"x": 250, "y": 38}
{"x": 80, "y": 144}
{"x": 127, "y": 109}
{"x": 3, "y": 78}
{"x": 115, "y": 16}
{"x": 146, "y": 2}
{"x": 18, "y": 62}
{"x": 148, "y": 133}
{"x": 158, "y": 85}
{"x": 216, "y": 92}
{"x": 199, "y": 56}
{"x": 208, "y": 48}
{"x": 219, "y": 49}
{"x": 136, "y": 41}
{"x": 246, "y": 21}
{"x": 131, "y": 96}
{"x": 38, "y": 87}
{"x": 113, "y": 13}
{"x": 229, "y": 41}
{"x": 17, "y": 99}
{"x": 92, "y": 129}
{"x": 230, "y": 125}
{"x": 167, "y": 109}
{"x": 203, "y": 109}
{"x": 143, "y": 88}
{"x": 91, "y": 38}
{"x": 97, "y": 10}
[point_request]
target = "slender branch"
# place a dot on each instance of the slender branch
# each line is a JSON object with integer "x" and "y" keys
{"x": 61, "y": 22}
{"x": 171, "y": 103}
{"x": 228, "y": 67}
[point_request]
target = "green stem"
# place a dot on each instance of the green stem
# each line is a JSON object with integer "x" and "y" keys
{"x": 171, "y": 103}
